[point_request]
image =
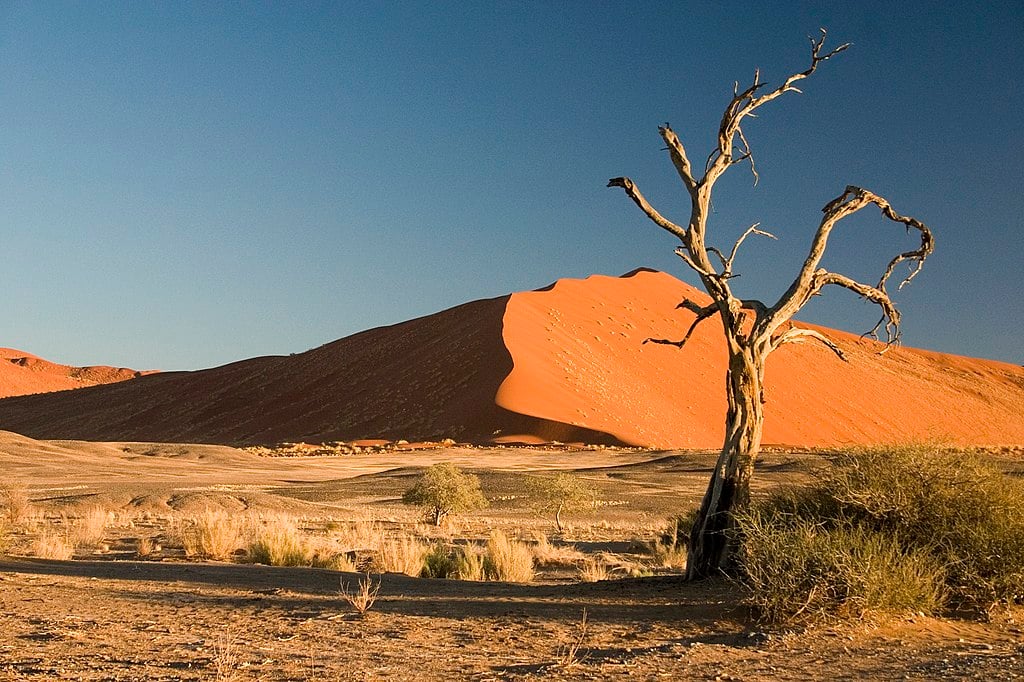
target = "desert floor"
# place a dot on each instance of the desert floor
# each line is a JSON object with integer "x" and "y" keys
{"x": 110, "y": 614}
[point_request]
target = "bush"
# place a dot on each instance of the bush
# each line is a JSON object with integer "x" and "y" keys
{"x": 561, "y": 493}
{"x": 877, "y": 527}
{"x": 804, "y": 571}
{"x": 443, "y": 490}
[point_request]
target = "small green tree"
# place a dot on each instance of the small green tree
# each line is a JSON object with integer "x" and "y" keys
{"x": 444, "y": 489}
{"x": 561, "y": 493}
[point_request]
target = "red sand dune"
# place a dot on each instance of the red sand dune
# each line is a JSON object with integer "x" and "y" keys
{"x": 564, "y": 363}
{"x": 22, "y": 373}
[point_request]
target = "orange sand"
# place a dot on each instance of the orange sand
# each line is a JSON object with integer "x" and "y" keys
{"x": 565, "y": 363}
{"x": 579, "y": 358}
{"x": 22, "y": 373}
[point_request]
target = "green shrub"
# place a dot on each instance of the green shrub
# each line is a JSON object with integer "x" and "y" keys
{"x": 439, "y": 562}
{"x": 562, "y": 493}
{"x": 443, "y": 490}
{"x": 801, "y": 570}
{"x": 881, "y": 520}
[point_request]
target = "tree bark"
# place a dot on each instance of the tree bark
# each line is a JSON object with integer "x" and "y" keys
{"x": 729, "y": 488}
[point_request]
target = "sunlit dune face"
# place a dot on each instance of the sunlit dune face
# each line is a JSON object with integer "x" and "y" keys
{"x": 579, "y": 357}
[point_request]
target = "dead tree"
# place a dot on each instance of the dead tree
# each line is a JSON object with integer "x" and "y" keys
{"x": 753, "y": 329}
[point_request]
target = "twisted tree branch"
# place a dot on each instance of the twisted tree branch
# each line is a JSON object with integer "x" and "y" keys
{"x": 702, "y": 314}
{"x": 679, "y": 159}
{"x": 736, "y": 247}
{"x": 634, "y": 193}
{"x": 743, "y": 104}
{"x": 794, "y": 335}
{"x": 810, "y": 280}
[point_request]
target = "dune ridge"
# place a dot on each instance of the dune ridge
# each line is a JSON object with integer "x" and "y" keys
{"x": 564, "y": 363}
{"x": 23, "y": 373}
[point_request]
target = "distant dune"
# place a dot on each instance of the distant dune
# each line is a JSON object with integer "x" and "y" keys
{"x": 22, "y": 373}
{"x": 564, "y": 363}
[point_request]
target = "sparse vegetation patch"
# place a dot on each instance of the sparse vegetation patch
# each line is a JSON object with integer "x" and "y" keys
{"x": 887, "y": 530}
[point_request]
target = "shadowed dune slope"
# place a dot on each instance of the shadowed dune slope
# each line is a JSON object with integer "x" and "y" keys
{"x": 428, "y": 378}
{"x": 564, "y": 363}
{"x": 22, "y": 373}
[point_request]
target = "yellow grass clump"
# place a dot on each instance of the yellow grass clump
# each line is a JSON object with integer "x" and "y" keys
{"x": 401, "y": 554}
{"x": 51, "y": 544}
{"x": 89, "y": 529}
{"x": 508, "y": 560}
{"x": 15, "y": 503}
{"x": 211, "y": 534}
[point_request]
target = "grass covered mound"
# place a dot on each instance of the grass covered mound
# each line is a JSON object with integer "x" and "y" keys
{"x": 891, "y": 530}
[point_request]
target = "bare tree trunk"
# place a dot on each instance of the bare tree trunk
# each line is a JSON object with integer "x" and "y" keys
{"x": 729, "y": 489}
{"x": 749, "y": 346}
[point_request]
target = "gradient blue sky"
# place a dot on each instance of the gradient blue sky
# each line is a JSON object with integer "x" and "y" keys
{"x": 184, "y": 185}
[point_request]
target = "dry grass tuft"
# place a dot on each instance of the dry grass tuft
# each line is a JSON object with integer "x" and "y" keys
{"x": 211, "y": 534}
{"x": 146, "y": 546}
{"x": 51, "y": 544}
{"x": 547, "y": 554}
{"x": 225, "y": 657}
{"x": 401, "y": 554}
{"x": 593, "y": 570}
{"x": 279, "y": 542}
{"x": 569, "y": 656}
{"x": 5, "y": 539}
{"x": 357, "y": 535}
{"x": 15, "y": 501}
{"x": 508, "y": 560}
{"x": 363, "y": 598}
{"x": 90, "y": 529}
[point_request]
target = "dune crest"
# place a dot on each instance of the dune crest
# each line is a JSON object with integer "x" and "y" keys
{"x": 23, "y": 373}
{"x": 564, "y": 363}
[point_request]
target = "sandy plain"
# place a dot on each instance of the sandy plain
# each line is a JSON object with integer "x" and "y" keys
{"x": 108, "y": 614}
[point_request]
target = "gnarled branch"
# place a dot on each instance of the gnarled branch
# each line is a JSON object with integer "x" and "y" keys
{"x": 736, "y": 247}
{"x": 702, "y": 314}
{"x": 634, "y": 193}
{"x": 743, "y": 104}
{"x": 810, "y": 280}
{"x": 696, "y": 267}
{"x": 795, "y": 335}
{"x": 890, "y": 315}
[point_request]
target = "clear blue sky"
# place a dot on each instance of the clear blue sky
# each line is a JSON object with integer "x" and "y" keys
{"x": 184, "y": 185}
